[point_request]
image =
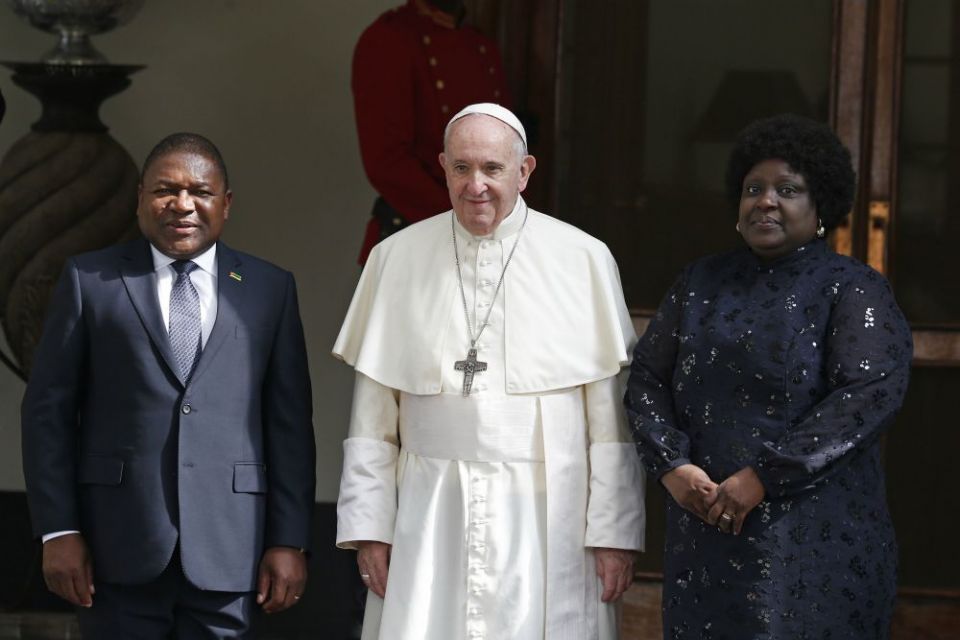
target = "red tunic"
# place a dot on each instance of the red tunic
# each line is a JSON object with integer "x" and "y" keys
{"x": 412, "y": 70}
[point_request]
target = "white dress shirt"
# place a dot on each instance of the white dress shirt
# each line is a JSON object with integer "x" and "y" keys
{"x": 204, "y": 280}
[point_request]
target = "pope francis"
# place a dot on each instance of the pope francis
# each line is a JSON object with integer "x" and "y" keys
{"x": 489, "y": 484}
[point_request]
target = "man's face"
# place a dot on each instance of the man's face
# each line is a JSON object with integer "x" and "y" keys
{"x": 485, "y": 171}
{"x": 183, "y": 204}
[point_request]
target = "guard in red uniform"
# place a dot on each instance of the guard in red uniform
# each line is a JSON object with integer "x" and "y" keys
{"x": 413, "y": 68}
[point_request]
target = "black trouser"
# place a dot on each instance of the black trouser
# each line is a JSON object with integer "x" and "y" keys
{"x": 168, "y": 607}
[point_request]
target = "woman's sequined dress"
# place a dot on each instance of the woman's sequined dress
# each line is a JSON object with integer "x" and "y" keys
{"x": 794, "y": 367}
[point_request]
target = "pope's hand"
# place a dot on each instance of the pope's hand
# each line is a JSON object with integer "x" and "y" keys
{"x": 373, "y": 558}
{"x": 691, "y": 488}
{"x": 283, "y": 575}
{"x": 615, "y": 568}
{"x": 68, "y": 570}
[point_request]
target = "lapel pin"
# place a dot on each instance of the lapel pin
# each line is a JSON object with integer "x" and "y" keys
{"x": 236, "y": 276}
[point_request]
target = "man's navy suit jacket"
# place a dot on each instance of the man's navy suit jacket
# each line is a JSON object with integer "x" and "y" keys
{"x": 117, "y": 446}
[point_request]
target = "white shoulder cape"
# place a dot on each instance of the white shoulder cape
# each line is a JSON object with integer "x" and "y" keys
{"x": 566, "y": 320}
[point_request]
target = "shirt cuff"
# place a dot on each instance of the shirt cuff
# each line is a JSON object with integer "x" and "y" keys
{"x": 616, "y": 517}
{"x": 367, "y": 506}
{"x": 47, "y": 537}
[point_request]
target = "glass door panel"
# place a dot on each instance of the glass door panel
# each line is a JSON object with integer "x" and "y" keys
{"x": 652, "y": 94}
{"x": 924, "y": 259}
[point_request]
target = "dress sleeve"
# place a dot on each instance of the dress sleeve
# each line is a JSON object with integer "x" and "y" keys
{"x": 649, "y": 397}
{"x": 615, "y": 513}
{"x": 367, "y": 506}
{"x": 868, "y": 353}
{"x": 384, "y": 94}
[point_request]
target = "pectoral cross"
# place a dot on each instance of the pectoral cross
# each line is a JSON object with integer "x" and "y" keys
{"x": 470, "y": 366}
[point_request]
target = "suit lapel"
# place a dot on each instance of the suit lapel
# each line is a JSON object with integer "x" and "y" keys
{"x": 229, "y": 301}
{"x": 140, "y": 279}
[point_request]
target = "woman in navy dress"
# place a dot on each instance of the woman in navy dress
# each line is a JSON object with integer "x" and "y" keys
{"x": 757, "y": 397}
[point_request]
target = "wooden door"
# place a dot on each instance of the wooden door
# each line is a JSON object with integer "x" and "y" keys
{"x": 637, "y": 103}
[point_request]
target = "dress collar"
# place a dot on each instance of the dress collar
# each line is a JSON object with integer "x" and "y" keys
{"x": 815, "y": 247}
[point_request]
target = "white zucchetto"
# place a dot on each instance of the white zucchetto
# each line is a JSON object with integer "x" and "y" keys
{"x": 502, "y": 114}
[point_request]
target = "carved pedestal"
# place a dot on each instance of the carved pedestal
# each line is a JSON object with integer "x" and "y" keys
{"x": 66, "y": 187}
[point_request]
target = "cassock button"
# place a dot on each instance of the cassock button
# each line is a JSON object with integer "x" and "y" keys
{"x": 186, "y": 409}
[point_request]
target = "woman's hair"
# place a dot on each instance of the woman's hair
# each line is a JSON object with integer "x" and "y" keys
{"x": 810, "y": 148}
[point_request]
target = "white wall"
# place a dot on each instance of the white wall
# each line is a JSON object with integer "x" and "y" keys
{"x": 269, "y": 83}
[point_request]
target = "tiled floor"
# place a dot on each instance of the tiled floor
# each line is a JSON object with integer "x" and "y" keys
{"x": 38, "y": 626}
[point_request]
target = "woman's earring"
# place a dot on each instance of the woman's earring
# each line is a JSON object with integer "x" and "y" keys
{"x": 738, "y": 227}
{"x": 821, "y": 230}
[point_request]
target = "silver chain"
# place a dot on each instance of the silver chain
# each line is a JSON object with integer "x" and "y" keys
{"x": 463, "y": 296}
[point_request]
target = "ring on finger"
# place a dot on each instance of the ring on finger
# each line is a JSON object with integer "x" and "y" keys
{"x": 727, "y": 517}
{"x": 364, "y": 576}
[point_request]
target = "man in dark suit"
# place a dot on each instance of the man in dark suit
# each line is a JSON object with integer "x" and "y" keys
{"x": 167, "y": 433}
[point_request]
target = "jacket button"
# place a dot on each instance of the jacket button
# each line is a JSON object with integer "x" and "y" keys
{"x": 186, "y": 408}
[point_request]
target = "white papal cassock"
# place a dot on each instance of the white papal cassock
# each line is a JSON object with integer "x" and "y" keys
{"x": 492, "y": 502}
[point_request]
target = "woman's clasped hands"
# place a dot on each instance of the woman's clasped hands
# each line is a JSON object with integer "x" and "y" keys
{"x": 725, "y": 505}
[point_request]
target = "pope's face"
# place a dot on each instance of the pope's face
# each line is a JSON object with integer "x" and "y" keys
{"x": 183, "y": 204}
{"x": 486, "y": 171}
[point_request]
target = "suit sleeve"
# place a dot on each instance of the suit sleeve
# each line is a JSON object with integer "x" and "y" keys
{"x": 384, "y": 94}
{"x": 616, "y": 517}
{"x": 367, "y": 507}
{"x": 49, "y": 412}
{"x": 288, "y": 432}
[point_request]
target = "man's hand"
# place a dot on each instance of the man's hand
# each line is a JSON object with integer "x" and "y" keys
{"x": 283, "y": 575}
{"x": 68, "y": 570}
{"x": 691, "y": 488}
{"x": 736, "y": 497}
{"x": 615, "y": 568}
{"x": 373, "y": 558}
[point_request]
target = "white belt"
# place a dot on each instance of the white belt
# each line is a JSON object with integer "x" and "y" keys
{"x": 475, "y": 428}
